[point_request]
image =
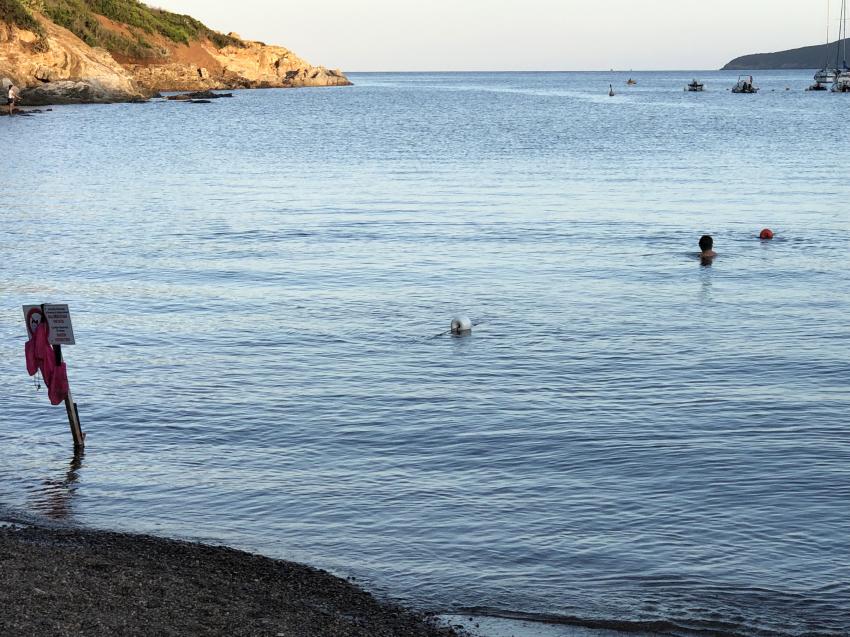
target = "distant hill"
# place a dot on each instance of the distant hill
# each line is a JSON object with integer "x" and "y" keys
{"x": 809, "y": 57}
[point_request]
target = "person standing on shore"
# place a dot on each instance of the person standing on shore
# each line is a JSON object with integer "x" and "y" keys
{"x": 12, "y": 97}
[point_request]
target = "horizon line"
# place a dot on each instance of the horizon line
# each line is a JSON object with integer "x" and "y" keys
{"x": 713, "y": 70}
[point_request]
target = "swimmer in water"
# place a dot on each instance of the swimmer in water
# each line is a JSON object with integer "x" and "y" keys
{"x": 706, "y": 245}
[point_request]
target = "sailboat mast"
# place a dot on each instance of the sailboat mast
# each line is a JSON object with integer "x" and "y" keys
{"x": 841, "y": 37}
{"x": 841, "y": 44}
{"x": 838, "y": 43}
{"x": 826, "y": 66}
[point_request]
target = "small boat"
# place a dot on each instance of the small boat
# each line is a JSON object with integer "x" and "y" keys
{"x": 745, "y": 85}
{"x": 842, "y": 83}
{"x": 695, "y": 86}
{"x": 631, "y": 82}
{"x": 817, "y": 86}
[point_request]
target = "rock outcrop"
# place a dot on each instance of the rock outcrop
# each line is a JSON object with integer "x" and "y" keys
{"x": 203, "y": 66}
{"x": 60, "y": 68}
{"x": 55, "y": 66}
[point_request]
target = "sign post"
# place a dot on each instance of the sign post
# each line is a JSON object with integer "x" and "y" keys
{"x": 60, "y": 332}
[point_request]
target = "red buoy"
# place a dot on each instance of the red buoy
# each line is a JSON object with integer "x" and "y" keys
{"x": 765, "y": 234}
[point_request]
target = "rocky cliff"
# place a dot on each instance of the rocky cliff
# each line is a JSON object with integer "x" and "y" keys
{"x": 58, "y": 54}
{"x": 55, "y": 66}
{"x": 203, "y": 65}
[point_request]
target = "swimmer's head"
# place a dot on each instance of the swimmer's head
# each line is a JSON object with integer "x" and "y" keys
{"x": 706, "y": 243}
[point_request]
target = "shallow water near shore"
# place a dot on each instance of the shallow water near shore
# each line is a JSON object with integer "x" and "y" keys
{"x": 261, "y": 288}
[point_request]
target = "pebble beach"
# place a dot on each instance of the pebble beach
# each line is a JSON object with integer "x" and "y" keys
{"x": 61, "y": 582}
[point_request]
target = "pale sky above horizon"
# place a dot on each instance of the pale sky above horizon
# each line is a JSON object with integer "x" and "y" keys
{"x": 471, "y": 35}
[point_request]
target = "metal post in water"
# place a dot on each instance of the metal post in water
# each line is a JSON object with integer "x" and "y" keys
{"x": 71, "y": 409}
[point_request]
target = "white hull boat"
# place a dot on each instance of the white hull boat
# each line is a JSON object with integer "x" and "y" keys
{"x": 842, "y": 80}
{"x": 745, "y": 85}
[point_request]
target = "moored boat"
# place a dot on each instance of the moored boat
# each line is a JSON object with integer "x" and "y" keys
{"x": 842, "y": 79}
{"x": 842, "y": 83}
{"x": 745, "y": 85}
{"x": 695, "y": 86}
{"x": 827, "y": 74}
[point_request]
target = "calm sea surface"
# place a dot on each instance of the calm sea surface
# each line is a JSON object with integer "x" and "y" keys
{"x": 261, "y": 287}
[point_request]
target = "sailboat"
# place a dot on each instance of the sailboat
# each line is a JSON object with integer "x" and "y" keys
{"x": 842, "y": 80}
{"x": 826, "y": 75}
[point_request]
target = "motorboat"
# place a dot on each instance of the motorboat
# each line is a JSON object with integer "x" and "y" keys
{"x": 842, "y": 83}
{"x": 745, "y": 85}
{"x": 695, "y": 86}
{"x": 818, "y": 86}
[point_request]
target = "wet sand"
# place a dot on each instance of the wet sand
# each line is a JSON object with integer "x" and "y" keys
{"x": 64, "y": 582}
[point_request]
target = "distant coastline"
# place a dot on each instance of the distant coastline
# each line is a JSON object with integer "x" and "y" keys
{"x": 808, "y": 57}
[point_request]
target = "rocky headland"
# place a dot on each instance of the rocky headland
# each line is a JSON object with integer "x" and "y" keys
{"x": 89, "y": 51}
{"x": 808, "y": 57}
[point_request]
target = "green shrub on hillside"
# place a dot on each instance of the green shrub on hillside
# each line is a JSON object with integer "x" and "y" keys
{"x": 80, "y": 17}
{"x": 17, "y": 13}
{"x": 175, "y": 27}
{"x": 135, "y": 14}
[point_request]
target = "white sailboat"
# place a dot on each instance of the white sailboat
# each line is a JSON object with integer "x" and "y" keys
{"x": 827, "y": 74}
{"x": 842, "y": 80}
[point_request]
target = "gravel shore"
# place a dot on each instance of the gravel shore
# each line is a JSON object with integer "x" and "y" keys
{"x": 61, "y": 582}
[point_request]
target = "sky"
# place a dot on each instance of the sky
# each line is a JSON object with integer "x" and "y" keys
{"x": 473, "y": 35}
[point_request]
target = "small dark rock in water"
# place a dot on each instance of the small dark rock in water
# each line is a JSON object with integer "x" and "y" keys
{"x": 198, "y": 95}
{"x": 22, "y": 113}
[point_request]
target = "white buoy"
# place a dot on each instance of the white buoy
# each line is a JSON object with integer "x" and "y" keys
{"x": 461, "y": 325}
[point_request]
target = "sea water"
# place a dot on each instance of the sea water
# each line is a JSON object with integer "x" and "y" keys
{"x": 261, "y": 290}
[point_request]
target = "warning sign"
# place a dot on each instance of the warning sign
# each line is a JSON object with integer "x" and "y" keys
{"x": 58, "y": 319}
{"x": 33, "y": 317}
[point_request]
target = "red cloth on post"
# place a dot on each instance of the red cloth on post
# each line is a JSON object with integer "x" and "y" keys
{"x": 57, "y": 391}
{"x": 42, "y": 358}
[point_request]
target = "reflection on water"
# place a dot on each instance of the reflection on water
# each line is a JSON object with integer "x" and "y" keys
{"x": 705, "y": 286}
{"x": 55, "y": 497}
